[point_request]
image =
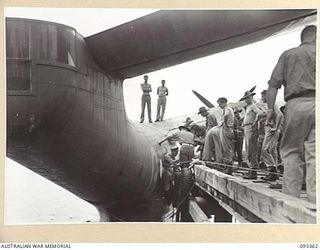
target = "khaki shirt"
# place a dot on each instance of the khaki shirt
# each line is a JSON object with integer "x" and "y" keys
{"x": 296, "y": 70}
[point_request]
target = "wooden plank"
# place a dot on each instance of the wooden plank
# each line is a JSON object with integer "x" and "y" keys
{"x": 229, "y": 209}
{"x": 267, "y": 204}
{"x": 196, "y": 212}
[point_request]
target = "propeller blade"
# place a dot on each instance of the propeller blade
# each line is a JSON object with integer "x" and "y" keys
{"x": 252, "y": 89}
{"x": 204, "y": 100}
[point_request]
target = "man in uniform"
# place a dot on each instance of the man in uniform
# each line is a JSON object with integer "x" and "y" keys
{"x": 269, "y": 145}
{"x": 170, "y": 162}
{"x": 186, "y": 139}
{"x": 296, "y": 70}
{"x": 226, "y": 134}
{"x": 146, "y": 99}
{"x": 238, "y": 134}
{"x": 211, "y": 120}
{"x": 212, "y": 145}
{"x": 162, "y": 93}
{"x": 262, "y": 121}
{"x": 250, "y": 125}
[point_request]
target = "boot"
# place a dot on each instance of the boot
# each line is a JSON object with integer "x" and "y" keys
{"x": 262, "y": 165}
{"x": 273, "y": 176}
{"x": 280, "y": 168}
{"x": 228, "y": 170}
{"x": 251, "y": 175}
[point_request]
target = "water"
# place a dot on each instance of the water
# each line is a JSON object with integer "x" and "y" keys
{"x": 32, "y": 199}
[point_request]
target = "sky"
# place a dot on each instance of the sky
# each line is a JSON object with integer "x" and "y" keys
{"x": 228, "y": 74}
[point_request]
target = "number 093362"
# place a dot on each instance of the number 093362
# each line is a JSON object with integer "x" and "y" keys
{"x": 308, "y": 246}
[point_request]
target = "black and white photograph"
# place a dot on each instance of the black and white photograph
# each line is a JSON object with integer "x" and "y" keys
{"x": 174, "y": 116}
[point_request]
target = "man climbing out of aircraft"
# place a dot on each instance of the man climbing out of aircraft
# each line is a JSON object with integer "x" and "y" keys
{"x": 226, "y": 134}
{"x": 250, "y": 124}
{"x": 186, "y": 139}
{"x": 146, "y": 99}
{"x": 296, "y": 71}
{"x": 170, "y": 163}
{"x": 162, "y": 93}
{"x": 270, "y": 142}
{"x": 211, "y": 120}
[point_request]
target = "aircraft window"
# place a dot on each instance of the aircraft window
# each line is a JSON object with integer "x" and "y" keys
{"x": 18, "y": 75}
{"x": 18, "y": 35}
{"x": 66, "y": 47}
{"x": 44, "y": 42}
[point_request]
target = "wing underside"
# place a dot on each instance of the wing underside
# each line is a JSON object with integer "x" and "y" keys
{"x": 169, "y": 37}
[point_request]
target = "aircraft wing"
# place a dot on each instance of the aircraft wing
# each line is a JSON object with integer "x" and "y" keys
{"x": 169, "y": 37}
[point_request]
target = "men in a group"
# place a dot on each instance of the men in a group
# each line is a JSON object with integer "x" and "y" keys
{"x": 186, "y": 139}
{"x": 250, "y": 125}
{"x": 146, "y": 99}
{"x": 211, "y": 120}
{"x": 226, "y": 134}
{"x": 162, "y": 93}
{"x": 295, "y": 70}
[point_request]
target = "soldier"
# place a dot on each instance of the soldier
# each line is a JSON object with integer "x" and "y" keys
{"x": 296, "y": 70}
{"x": 212, "y": 145}
{"x": 186, "y": 139}
{"x": 146, "y": 99}
{"x": 261, "y": 129}
{"x": 269, "y": 146}
{"x": 226, "y": 134}
{"x": 211, "y": 120}
{"x": 170, "y": 163}
{"x": 162, "y": 93}
{"x": 250, "y": 125}
{"x": 238, "y": 134}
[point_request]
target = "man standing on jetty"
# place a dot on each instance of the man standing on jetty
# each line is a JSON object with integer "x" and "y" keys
{"x": 146, "y": 99}
{"x": 296, "y": 71}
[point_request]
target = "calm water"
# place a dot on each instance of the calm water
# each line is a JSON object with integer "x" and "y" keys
{"x": 30, "y": 199}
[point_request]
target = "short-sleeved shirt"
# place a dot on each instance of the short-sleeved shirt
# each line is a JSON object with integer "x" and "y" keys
{"x": 296, "y": 70}
{"x": 146, "y": 88}
{"x": 251, "y": 112}
{"x": 162, "y": 91}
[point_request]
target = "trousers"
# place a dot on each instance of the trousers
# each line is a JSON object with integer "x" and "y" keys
{"x": 146, "y": 99}
{"x": 212, "y": 146}
{"x": 162, "y": 101}
{"x": 186, "y": 155}
{"x": 269, "y": 147}
{"x": 250, "y": 139}
{"x": 297, "y": 147}
{"x": 227, "y": 144}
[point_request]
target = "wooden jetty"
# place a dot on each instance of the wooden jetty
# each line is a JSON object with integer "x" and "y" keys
{"x": 249, "y": 200}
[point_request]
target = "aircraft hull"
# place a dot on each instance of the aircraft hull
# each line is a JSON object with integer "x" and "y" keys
{"x": 70, "y": 126}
